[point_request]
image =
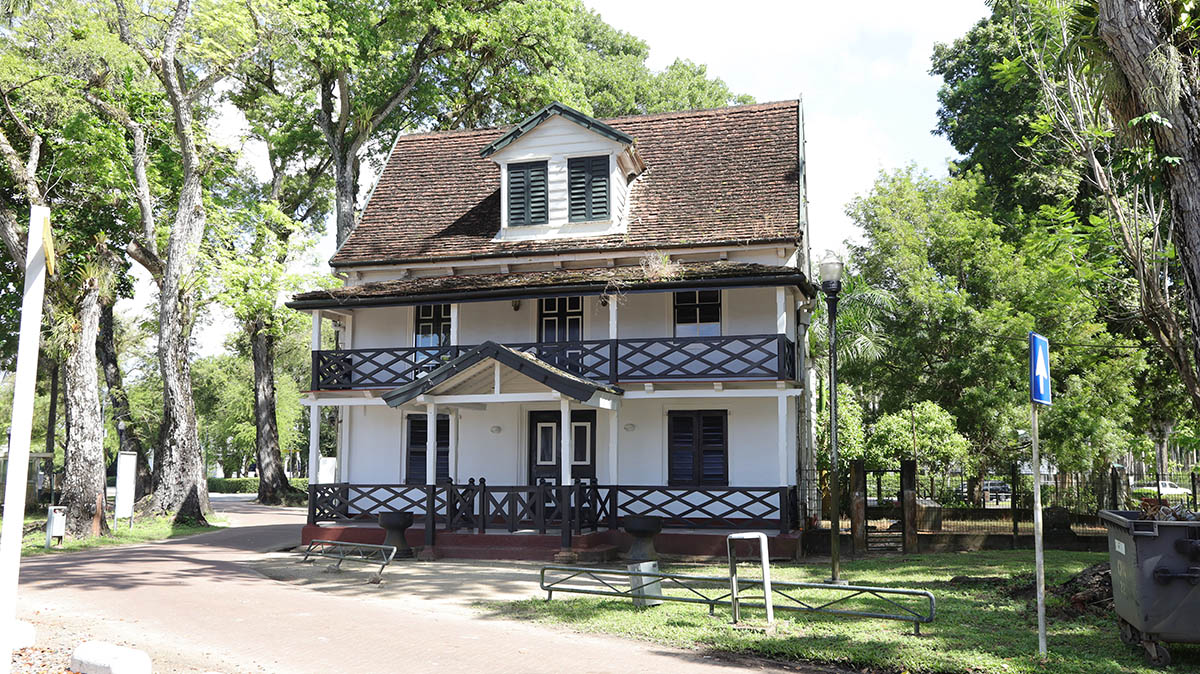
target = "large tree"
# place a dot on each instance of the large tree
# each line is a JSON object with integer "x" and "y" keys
{"x": 187, "y": 52}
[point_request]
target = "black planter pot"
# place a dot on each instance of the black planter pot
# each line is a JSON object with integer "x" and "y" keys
{"x": 643, "y": 528}
{"x": 395, "y": 523}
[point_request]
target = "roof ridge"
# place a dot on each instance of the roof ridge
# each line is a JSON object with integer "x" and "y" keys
{"x": 747, "y": 107}
{"x": 767, "y": 105}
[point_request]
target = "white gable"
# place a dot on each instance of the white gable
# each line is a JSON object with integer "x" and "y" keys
{"x": 555, "y": 141}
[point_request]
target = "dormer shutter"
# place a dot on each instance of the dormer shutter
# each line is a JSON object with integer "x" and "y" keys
{"x": 588, "y": 184}
{"x": 527, "y": 194}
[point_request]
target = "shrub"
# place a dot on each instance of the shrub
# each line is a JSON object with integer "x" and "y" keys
{"x": 247, "y": 485}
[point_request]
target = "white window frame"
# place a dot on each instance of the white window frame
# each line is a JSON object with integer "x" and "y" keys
{"x": 553, "y": 438}
{"x": 587, "y": 426}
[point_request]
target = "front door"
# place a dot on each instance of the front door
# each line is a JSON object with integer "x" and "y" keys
{"x": 545, "y": 446}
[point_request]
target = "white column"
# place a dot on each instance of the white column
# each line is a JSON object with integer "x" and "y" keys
{"x": 565, "y": 455}
{"x": 782, "y": 427}
{"x": 612, "y": 318}
{"x": 343, "y": 459}
{"x": 316, "y": 331}
{"x": 430, "y": 443}
{"x": 614, "y": 444}
{"x": 314, "y": 442}
{"x": 454, "y": 324}
{"x": 781, "y": 311}
{"x": 453, "y": 445}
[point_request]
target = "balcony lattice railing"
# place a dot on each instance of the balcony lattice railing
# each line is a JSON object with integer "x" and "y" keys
{"x": 744, "y": 357}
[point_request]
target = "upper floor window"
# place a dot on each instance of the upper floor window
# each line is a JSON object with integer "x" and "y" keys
{"x": 588, "y": 187}
{"x": 527, "y": 194}
{"x": 698, "y": 313}
{"x": 432, "y": 326}
{"x": 560, "y": 319}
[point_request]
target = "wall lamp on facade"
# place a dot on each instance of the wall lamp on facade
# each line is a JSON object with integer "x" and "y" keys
{"x": 630, "y": 427}
{"x": 496, "y": 430}
{"x": 516, "y": 304}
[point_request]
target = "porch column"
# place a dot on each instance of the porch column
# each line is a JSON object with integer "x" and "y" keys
{"x": 454, "y": 445}
{"x": 781, "y": 311}
{"x": 454, "y": 324}
{"x": 314, "y": 443}
{"x": 316, "y": 346}
{"x": 430, "y": 444}
{"x": 782, "y": 439}
{"x": 343, "y": 459}
{"x": 614, "y": 443}
{"x": 566, "y": 454}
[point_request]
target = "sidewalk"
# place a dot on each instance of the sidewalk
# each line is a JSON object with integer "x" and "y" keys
{"x": 200, "y": 605}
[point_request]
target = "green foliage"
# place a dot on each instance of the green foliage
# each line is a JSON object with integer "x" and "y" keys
{"x": 246, "y": 485}
{"x": 924, "y": 432}
{"x": 966, "y": 296}
{"x": 224, "y": 391}
{"x": 851, "y": 436}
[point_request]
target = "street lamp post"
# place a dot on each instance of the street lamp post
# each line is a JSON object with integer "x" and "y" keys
{"x": 831, "y": 285}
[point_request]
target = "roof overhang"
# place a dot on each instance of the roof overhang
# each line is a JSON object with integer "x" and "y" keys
{"x": 516, "y": 288}
{"x": 491, "y": 354}
{"x": 555, "y": 110}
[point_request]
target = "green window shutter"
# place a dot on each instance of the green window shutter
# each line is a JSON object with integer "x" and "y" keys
{"x": 588, "y": 188}
{"x": 527, "y": 194}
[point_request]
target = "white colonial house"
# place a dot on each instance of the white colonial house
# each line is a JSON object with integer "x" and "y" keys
{"x": 596, "y": 318}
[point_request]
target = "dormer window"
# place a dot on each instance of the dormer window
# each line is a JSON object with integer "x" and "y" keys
{"x": 563, "y": 174}
{"x": 528, "y": 202}
{"x": 588, "y": 188}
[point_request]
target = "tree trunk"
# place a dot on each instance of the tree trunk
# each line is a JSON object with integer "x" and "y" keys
{"x": 127, "y": 435}
{"x": 1138, "y": 34}
{"x": 272, "y": 481}
{"x": 345, "y": 168}
{"x": 83, "y": 486}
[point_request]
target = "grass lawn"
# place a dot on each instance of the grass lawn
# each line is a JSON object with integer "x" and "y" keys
{"x": 979, "y": 627}
{"x": 144, "y": 530}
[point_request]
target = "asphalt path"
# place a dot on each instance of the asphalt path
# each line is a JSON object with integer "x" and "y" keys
{"x": 198, "y": 604}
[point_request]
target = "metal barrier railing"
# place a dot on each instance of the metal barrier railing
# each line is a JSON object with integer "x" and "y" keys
{"x": 716, "y": 591}
{"x": 356, "y": 552}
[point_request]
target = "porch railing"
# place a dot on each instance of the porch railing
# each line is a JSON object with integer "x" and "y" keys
{"x": 768, "y": 357}
{"x": 571, "y": 510}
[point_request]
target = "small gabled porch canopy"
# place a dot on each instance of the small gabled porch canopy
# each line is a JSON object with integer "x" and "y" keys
{"x": 492, "y": 372}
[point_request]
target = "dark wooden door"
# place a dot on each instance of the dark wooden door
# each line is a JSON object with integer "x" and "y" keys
{"x": 545, "y": 446}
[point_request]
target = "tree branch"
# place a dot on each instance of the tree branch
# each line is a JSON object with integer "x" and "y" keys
{"x": 421, "y": 55}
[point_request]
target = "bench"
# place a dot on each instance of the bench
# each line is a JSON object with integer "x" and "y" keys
{"x": 355, "y": 552}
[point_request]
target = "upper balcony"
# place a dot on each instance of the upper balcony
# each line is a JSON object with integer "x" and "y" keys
{"x": 613, "y": 361}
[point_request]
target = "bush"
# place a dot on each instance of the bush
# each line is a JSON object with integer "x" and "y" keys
{"x": 247, "y": 485}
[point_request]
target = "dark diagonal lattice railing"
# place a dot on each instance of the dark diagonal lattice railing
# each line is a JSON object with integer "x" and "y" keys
{"x": 767, "y": 357}
{"x": 480, "y": 506}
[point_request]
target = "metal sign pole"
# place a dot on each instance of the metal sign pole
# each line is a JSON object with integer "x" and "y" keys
{"x": 1039, "y": 394}
{"x": 1039, "y": 559}
{"x": 21, "y": 429}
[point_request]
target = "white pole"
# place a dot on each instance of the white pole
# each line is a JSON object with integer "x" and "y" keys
{"x": 1039, "y": 562}
{"x": 314, "y": 444}
{"x": 430, "y": 444}
{"x": 565, "y": 454}
{"x": 22, "y": 426}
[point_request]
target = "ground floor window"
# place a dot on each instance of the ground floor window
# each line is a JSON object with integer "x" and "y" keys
{"x": 416, "y": 436}
{"x": 698, "y": 448}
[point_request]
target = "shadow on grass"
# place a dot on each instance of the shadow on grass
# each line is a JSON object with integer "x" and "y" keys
{"x": 979, "y": 626}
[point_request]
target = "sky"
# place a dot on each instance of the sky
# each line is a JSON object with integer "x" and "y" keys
{"x": 862, "y": 71}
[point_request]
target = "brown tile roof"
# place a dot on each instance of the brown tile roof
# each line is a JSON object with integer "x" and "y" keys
{"x": 593, "y": 280}
{"x": 720, "y": 176}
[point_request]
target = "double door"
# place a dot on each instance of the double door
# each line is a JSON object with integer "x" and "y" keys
{"x": 545, "y": 446}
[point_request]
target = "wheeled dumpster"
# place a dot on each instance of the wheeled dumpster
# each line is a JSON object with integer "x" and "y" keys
{"x": 1156, "y": 580}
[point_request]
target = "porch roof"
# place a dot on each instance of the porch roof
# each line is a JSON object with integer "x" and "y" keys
{"x": 553, "y": 283}
{"x": 459, "y": 369}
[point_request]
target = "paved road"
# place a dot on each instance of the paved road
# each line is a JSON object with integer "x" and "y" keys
{"x": 198, "y": 605}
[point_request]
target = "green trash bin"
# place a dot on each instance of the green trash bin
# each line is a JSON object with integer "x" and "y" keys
{"x": 1156, "y": 581}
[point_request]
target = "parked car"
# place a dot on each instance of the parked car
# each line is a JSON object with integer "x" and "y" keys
{"x": 1164, "y": 487}
{"x": 994, "y": 490}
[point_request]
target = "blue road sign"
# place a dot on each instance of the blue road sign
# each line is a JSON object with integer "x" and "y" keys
{"x": 1039, "y": 369}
